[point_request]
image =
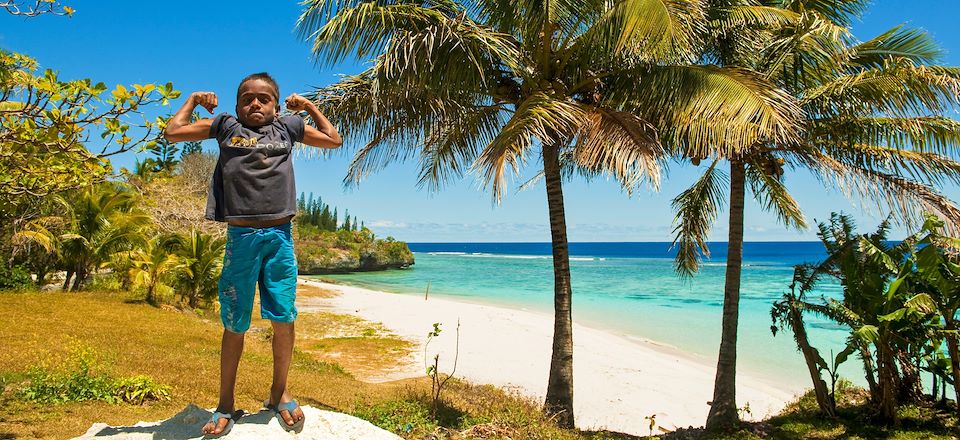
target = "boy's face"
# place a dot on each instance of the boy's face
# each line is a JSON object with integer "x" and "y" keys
{"x": 256, "y": 103}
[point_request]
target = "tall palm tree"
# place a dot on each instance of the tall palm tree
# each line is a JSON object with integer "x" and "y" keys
{"x": 483, "y": 85}
{"x": 874, "y": 126}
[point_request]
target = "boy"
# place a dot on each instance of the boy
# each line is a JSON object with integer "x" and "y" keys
{"x": 253, "y": 192}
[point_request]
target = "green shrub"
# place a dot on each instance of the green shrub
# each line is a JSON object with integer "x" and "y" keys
{"x": 139, "y": 389}
{"x": 82, "y": 382}
{"x": 400, "y": 416}
{"x": 110, "y": 282}
{"x": 15, "y": 278}
{"x": 56, "y": 387}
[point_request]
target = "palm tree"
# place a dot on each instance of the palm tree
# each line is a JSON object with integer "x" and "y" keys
{"x": 200, "y": 258}
{"x": 38, "y": 240}
{"x": 152, "y": 264}
{"x": 104, "y": 219}
{"x": 482, "y": 86}
{"x": 875, "y": 127}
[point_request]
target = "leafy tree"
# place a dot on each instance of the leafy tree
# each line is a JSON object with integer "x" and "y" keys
{"x": 938, "y": 274}
{"x": 59, "y": 135}
{"x": 35, "y": 8}
{"x": 584, "y": 87}
{"x": 875, "y": 126}
{"x": 191, "y": 148}
{"x": 883, "y": 304}
{"x": 164, "y": 158}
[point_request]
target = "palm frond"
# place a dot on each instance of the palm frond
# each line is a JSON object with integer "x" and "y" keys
{"x": 933, "y": 168}
{"x": 737, "y": 18}
{"x": 539, "y": 118}
{"x": 809, "y": 51}
{"x": 705, "y": 109}
{"x": 649, "y": 29}
{"x": 899, "y": 88}
{"x": 768, "y": 189}
{"x": 697, "y": 208}
{"x": 936, "y": 134}
{"x": 622, "y": 145}
{"x": 840, "y": 12}
{"x": 451, "y": 148}
{"x": 454, "y": 55}
{"x": 421, "y": 34}
{"x": 898, "y": 42}
{"x": 906, "y": 198}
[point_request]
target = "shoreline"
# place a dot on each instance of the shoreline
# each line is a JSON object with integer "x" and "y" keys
{"x": 618, "y": 380}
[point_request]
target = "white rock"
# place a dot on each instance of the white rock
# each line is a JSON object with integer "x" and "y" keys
{"x": 319, "y": 425}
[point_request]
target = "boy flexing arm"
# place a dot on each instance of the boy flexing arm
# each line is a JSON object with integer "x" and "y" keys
{"x": 258, "y": 208}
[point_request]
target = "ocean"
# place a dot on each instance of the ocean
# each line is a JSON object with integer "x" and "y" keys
{"x": 631, "y": 289}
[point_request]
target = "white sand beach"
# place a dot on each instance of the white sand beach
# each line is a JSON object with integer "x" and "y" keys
{"x": 618, "y": 381}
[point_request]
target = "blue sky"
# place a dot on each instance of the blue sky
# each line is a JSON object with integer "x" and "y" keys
{"x": 210, "y": 46}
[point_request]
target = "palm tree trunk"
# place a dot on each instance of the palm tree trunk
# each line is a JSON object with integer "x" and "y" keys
{"x": 66, "y": 282}
{"x": 559, "y": 398}
{"x": 79, "y": 279}
{"x": 723, "y": 409}
{"x": 954, "y": 353}
{"x": 824, "y": 398}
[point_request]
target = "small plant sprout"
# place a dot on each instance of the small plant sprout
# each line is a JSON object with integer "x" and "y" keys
{"x": 433, "y": 371}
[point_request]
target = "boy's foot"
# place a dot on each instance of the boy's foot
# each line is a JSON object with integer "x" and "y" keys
{"x": 219, "y": 423}
{"x": 288, "y": 409}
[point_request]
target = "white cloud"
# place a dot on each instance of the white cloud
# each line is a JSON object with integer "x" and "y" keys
{"x": 386, "y": 224}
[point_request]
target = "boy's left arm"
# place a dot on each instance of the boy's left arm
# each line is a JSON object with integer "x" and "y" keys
{"x": 325, "y": 134}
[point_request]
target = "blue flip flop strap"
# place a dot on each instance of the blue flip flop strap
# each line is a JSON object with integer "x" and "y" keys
{"x": 217, "y": 415}
{"x": 288, "y": 406}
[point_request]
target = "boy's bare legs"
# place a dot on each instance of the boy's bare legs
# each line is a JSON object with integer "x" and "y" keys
{"x": 283, "y": 336}
{"x": 231, "y": 347}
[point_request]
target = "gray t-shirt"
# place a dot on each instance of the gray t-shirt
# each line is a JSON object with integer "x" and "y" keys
{"x": 253, "y": 179}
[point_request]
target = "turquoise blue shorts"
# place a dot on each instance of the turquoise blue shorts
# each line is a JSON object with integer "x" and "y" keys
{"x": 258, "y": 257}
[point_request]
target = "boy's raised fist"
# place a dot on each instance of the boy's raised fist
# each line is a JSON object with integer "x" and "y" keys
{"x": 296, "y": 103}
{"x": 207, "y": 100}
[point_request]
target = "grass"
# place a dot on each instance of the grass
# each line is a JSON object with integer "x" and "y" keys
{"x": 333, "y": 357}
{"x": 800, "y": 420}
{"x": 181, "y": 350}
{"x": 178, "y": 349}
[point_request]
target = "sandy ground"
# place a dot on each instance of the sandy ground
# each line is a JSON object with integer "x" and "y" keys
{"x": 617, "y": 381}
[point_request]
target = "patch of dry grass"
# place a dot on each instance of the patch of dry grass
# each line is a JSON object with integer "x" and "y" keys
{"x": 182, "y": 349}
{"x": 305, "y": 290}
{"x": 179, "y": 349}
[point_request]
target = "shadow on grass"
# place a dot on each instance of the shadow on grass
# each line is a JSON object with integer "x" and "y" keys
{"x": 608, "y": 435}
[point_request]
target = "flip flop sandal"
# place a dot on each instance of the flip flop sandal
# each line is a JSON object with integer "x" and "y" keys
{"x": 289, "y": 407}
{"x": 215, "y": 419}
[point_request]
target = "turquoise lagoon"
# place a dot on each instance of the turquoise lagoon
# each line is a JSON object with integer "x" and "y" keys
{"x": 631, "y": 289}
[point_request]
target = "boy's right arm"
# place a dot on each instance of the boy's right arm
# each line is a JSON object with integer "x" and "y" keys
{"x": 179, "y": 129}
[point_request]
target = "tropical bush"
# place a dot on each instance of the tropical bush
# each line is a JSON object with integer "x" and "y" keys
{"x": 15, "y": 278}
{"x": 899, "y": 302}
